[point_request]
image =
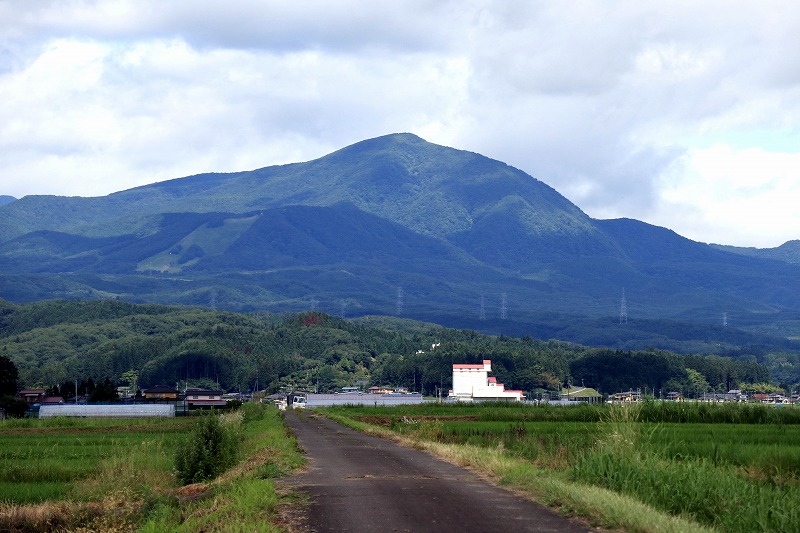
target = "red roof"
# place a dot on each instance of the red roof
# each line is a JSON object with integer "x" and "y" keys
{"x": 53, "y": 399}
{"x": 486, "y": 362}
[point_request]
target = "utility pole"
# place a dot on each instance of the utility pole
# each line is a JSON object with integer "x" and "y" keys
{"x": 623, "y": 309}
{"x": 399, "y": 309}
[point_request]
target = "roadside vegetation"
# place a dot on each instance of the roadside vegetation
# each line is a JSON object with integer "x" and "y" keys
{"x": 132, "y": 475}
{"x": 643, "y": 467}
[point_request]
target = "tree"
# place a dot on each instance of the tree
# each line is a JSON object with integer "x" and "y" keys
{"x": 8, "y": 377}
{"x": 104, "y": 391}
{"x": 8, "y": 389}
{"x": 697, "y": 382}
{"x": 131, "y": 377}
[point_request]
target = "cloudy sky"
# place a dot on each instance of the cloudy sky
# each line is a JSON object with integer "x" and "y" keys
{"x": 683, "y": 114}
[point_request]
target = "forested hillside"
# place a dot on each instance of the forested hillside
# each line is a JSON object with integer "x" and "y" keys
{"x": 54, "y": 342}
{"x": 397, "y": 225}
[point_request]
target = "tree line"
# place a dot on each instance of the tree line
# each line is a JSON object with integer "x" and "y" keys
{"x": 55, "y": 343}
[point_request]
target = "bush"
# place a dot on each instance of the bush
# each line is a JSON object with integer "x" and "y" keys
{"x": 211, "y": 448}
{"x": 14, "y": 407}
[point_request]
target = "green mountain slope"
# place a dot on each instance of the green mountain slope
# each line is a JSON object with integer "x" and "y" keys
{"x": 392, "y": 225}
{"x": 427, "y": 188}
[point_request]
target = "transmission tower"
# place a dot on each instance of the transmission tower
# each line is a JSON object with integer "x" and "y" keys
{"x": 504, "y": 306}
{"x": 399, "y": 310}
{"x": 482, "y": 315}
{"x": 623, "y": 309}
{"x": 724, "y": 320}
{"x": 343, "y": 307}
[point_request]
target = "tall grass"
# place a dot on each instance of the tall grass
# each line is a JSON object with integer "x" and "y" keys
{"x": 700, "y": 486}
{"x": 649, "y": 411}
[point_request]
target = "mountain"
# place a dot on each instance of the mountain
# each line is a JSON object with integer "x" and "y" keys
{"x": 391, "y": 225}
{"x": 788, "y": 252}
{"x": 6, "y": 199}
{"x": 430, "y": 189}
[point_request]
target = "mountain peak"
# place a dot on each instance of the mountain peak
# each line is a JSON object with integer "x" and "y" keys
{"x": 383, "y": 145}
{"x": 428, "y": 188}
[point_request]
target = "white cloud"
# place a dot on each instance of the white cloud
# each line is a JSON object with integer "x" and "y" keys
{"x": 620, "y": 106}
{"x": 712, "y": 191}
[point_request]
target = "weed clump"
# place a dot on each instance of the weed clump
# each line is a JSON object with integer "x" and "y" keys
{"x": 211, "y": 448}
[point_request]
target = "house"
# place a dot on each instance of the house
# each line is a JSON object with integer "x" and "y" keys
{"x": 200, "y": 398}
{"x": 38, "y": 396}
{"x": 52, "y": 400}
{"x": 626, "y": 397}
{"x": 737, "y": 395}
{"x": 674, "y": 396}
{"x": 32, "y": 395}
{"x": 160, "y": 393}
{"x": 776, "y": 398}
{"x": 581, "y": 394}
{"x": 380, "y": 390}
{"x": 472, "y": 383}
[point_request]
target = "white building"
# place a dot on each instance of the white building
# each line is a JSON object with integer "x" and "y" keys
{"x": 472, "y": 382}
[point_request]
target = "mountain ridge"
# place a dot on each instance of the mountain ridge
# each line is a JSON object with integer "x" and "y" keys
{"x": 390, "y": 225}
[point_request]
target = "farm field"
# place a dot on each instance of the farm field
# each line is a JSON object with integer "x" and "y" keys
{"x": 44, "y": 460}
{"x": 727, "y": 468}
{"x": 66, "y": 474}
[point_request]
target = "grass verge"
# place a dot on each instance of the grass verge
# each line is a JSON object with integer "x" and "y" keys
{"x": 243, "y": 498}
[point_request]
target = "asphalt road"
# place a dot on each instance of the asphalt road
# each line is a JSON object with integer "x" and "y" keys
{"x": 360, "y": 483}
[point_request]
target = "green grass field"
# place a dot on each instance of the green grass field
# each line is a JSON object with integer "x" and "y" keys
{"x": 119, "y": 475}
{"x": 43, "y": 460}
{"x": 732, "y": 468}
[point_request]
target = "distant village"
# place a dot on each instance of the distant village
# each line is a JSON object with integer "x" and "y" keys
{"x": 471, "y": 383}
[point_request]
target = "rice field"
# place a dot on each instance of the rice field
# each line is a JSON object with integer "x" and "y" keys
{"x": 120, "y": 475}
{"x": 43, "y": 460}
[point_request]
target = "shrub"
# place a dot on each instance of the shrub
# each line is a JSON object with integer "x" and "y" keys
{"x": 210, "y": 449}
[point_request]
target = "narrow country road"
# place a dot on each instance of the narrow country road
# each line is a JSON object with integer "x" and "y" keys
{"x": 360, "y": 483}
